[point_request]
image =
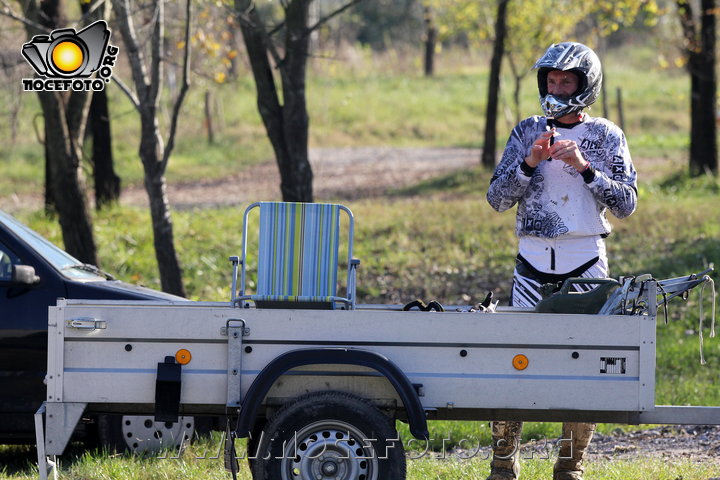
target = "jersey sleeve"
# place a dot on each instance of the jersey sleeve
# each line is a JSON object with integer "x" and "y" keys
{"x": 508, "y": 183}
{"x": 615, "y": 182}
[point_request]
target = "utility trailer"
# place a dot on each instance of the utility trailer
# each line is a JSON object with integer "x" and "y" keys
{"x": 317, "y": 391}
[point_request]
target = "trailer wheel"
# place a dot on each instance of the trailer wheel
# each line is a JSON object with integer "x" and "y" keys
{"x": 329, "y": 435}
{"x": 142, "y": 434}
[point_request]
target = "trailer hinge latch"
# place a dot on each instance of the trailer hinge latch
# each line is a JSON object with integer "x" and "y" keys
{"x": 87, "y": 323}
{"x": 245, "y": 331}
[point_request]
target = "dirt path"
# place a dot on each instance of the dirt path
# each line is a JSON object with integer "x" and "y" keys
{"x": 695, "y": 442}
{"x": 339, "y": 173}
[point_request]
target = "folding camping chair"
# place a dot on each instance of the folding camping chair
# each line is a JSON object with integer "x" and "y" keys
{"x": 297, "y": 257}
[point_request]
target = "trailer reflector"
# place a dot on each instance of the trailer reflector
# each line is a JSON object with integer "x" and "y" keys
{"x": 183, "y": 356}
{"x": 520, "y": 362}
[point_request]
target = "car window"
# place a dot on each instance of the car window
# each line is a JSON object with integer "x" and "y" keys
{"x": 63, "y": 262}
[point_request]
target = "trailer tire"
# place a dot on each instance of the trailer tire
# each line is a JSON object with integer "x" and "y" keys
{"x": 324, "y": 435}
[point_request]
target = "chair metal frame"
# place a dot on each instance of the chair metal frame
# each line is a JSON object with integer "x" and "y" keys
{"x": 238, "y": 297}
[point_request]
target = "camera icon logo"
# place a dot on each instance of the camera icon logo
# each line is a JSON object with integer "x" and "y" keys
{"x": 67, "y": 58}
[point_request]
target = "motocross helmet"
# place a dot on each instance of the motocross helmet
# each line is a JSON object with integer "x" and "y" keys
{"x": 569, "y": 57}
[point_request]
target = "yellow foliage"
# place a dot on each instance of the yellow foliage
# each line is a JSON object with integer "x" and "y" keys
{"x": 220, "y": 77}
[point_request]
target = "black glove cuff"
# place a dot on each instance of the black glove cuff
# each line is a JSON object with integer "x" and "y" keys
{"x": 588, "y": 174}
{"x": 527, "y": 169}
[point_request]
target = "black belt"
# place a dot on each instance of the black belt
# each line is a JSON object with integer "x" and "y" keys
{"x": 526, "y": 270}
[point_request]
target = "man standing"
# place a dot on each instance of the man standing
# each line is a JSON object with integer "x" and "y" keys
{"x": 564, "y": 170}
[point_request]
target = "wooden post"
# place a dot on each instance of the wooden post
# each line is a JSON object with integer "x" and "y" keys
{"x": 621, "y": 115}
{"x": 208, "y": 118}
{"x": 430, "y": 41}
{"x": 606, "y": 109}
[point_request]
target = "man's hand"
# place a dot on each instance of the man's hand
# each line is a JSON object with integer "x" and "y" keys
{"x": 567, "y": 151}
{"x": 540, "y": 150}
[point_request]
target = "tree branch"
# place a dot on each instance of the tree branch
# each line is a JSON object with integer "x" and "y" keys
{"x": 689, "y": 29}
{"x": 135, "y": 54}
{"x": 337, "y": 12}
{"x": 183, "y": 88}
{"x": 156, "y": 57}
{"x": 126, "y": 90}
{"x": 85, "y": 16}
{"x": 249, "y": 18}
{"x": 276, "y": 29}
{"x": 8, "y": 12}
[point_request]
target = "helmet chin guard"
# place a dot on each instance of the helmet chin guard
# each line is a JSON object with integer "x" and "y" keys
{"x": 553, "y": 106}
{"x": 569, "y": 57}
{"x": 557, "y": 107}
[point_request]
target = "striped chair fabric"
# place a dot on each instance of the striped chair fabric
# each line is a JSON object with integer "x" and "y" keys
{"x": 298, "y": 251}
{"x": 298, "y": 248}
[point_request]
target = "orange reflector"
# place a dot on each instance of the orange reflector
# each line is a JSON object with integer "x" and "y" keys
{"x": 520, "y": 362}
{"x": 183, "y": 356}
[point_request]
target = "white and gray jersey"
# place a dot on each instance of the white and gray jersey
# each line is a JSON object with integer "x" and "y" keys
{"x": 555, "y": 201}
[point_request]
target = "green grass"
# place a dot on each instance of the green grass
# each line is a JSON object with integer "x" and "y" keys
{"x": 200, "y": 461}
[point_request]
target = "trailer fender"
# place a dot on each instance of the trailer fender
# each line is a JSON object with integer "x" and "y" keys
{"x": 342, "y": 356}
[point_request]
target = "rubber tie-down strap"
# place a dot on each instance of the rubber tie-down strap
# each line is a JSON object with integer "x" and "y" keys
{"x": 485, "y": 304}
{"x": 707, "y": 281}
{"x": 432, "y": 305}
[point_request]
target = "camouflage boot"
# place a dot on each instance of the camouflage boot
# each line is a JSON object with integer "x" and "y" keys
{"x": 505, "y": 464}
{"x": 575, "y": 440}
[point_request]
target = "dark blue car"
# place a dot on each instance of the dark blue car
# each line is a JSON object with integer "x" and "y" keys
{"x": 34, "y": 273}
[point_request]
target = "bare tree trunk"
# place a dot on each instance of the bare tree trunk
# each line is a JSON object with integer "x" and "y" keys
{"x": 209, "y": 118}
{"x": 65, "y": 115}
{"x": 430, "y": 41}
{"x": 518, "y": 76}
{"x": 703, "y": 141}
{"x": 287, "y": 123}
{"x": 489, "y": 146}
{"x": 107, "y": 183}
{"x": 154, "y": 154}
{"x": 151, "y": 146}
{"x": 49, "y": 196}
{"x": 296, "y": 183}
{"x": 700, "y": 49}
